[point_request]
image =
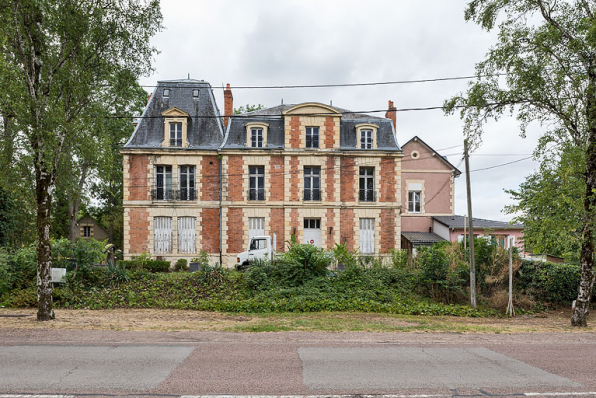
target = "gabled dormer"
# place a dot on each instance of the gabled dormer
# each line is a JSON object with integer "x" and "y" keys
{"x": 175, "y": 128}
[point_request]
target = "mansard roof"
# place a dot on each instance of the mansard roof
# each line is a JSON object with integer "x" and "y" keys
{"x": 274, "y": 117}
{"x": 205, "y": 129}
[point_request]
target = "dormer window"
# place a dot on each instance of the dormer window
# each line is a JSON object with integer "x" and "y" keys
{"x": 195, "y": 93}
{"x": 175, "y": 128}
{"x": 366, "y": 136}
{"x": 256, "y": 134}
{"x": 312, "y": 137}
{"x": 166, "y": 92}
{"x": 175, "y": 134}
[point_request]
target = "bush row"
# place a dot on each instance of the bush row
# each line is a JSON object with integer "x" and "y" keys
{"x": 149, "y": 265}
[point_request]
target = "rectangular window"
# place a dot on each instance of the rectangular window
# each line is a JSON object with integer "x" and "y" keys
{"x": 367, "y": 235}
{"x": 312, "y": 183}
{"x": 367, "y": 184}
{"x": 312, "y": 137}
{"x": 175, "y": 134}
{"x": 256, "y": 138}
{"x": 366, "y": 139}
{"x": 187, "y": 235}
{"x": 162, "y": 235}
{"x": 414, "y": 201}
{"x": 256, "y": 226}
{"x": 256, "y": 179}
{"x": 187, "y": 183}
{"x": 163, "y": 183}
{"x": 87, "y": 231}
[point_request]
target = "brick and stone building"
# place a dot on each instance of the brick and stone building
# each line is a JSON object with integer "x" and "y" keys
{"x": 195, "y": 181}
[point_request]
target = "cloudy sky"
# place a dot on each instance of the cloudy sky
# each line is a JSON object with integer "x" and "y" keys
{"x": 308, "y": 42}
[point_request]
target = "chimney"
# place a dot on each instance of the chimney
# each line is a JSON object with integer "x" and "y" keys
{"x": 228, "y": 105}
{"x": 391, "y": 115}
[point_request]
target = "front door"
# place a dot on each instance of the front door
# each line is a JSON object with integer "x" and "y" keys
{"x": 312, "y": 231}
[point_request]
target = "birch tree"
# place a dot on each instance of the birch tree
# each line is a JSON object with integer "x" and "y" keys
{"x": 57, "y": 57}
{"x": 542, "y": 69}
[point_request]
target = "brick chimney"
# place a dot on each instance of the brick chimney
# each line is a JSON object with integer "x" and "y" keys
{"x": 228, "y": 105}
{"x": 391, "y": 115}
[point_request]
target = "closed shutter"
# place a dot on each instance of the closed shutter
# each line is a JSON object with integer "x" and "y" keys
{"x": 187, "y": 235}
{"x": 367, "y": 235}
{"x": 256, "y": 226}
{"x": 162, "y": 236}
{"x": 312, "y": 231}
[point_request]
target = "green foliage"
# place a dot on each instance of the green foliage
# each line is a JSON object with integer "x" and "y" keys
{"x": 437, "y": 276}
{"x": 300, "y": 263}
{"x": 140, "y": 264}
{"x": 399, "y": 258}
{"x": 202, "y": 258}
{"x": 248, "y": 108}
{"x": 181, "y": 265}
{"x": 549, "y": 282}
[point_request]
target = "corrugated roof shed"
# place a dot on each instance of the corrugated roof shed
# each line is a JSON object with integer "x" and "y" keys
{"x": 458, "y": 222}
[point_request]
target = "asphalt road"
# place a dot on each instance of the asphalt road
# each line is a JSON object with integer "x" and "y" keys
{"x": 111, "y": 363}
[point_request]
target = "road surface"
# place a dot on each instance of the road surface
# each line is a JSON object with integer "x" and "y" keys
{"x": 95, "y": 363}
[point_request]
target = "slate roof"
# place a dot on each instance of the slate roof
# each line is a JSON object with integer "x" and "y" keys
{"x": 236, "y": 133}
{"x": 422, "y": 238}
{"x": 458, "y": 222}
{"x": 205, "y": 129}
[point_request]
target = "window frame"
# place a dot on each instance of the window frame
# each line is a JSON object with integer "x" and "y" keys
{"x": 312, "y": 137}
{"x": 312, "y": 178}
{"x": 412, "y": 201}
{"x": 176, "y": 134}
{"x": 364, "y": 128}
{"x": 187, "y": 180}
{"x": 86, "y": 231}
{"x": 366, "y": 139}
{"x": 254, "y": 137}
{"x": 366, "y": 178}
{"x": 256, "y": 183}
{"x": 249, "y": 127}
{"x": 166, "y": 183}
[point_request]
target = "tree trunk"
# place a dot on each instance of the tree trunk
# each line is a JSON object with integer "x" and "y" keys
{"x": 45, "y": 310}
{"x": 582, "y": 304}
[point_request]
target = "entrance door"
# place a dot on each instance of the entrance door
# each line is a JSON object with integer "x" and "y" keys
{"x": 367, "y": 235}
{"x": 312, "y": 231}
{"x": 256, "y": 226}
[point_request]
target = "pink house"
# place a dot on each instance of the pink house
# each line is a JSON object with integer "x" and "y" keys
{"x": 451, "y": 228}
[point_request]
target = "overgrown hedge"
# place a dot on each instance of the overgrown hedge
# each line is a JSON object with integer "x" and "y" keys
{"x": 149, "y": 265}
{"x": 549, "y": 282}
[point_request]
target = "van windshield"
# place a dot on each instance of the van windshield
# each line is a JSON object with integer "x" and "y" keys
{"x": 257, "y": 244}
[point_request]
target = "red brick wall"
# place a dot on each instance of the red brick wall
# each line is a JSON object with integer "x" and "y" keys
{"x": 347, "y": 227}
{"x": 330, "y": 224}
{"x": 278, "y": 223}
{"x": 235, "y": 178}
{"x": 388, "y": 183}
{"x": 295, "y": 132}
{"x": 347, "y": 179}
{"x": 330, "y": 179}
{"x": 210, "y": 178}
{"x": 294, "y": 176}
{"x": 329, "y": 133}
{"x": 277, "y": 178}
{"x": 294, "y": 223}
{"x": 387, "y": 230}
{"x": 138, "y": 185}
{"x": 235, "y": 235}
{"x": 139, "y": 230}
{"x": 210, "y": 225}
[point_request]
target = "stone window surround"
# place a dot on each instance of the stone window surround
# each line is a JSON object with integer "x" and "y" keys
{"x": 256, "y": 125}
{"x": 175, "y": 115}
{"x": 366, "y": 126}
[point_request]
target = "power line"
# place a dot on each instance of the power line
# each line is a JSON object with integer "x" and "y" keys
{"x": 503, "y": 164}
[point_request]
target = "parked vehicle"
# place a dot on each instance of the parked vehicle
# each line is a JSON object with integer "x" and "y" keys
{"x": 259, "y": 248}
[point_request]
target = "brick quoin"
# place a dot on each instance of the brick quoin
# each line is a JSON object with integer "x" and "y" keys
{"x": 387, "y": 230}
{"x": 138, "y": 185}
{"x": 277, "y": 178}
{"x": 347, "y": 179}
{"x": 278, "y": 223}
{"x": 330, "y": 227}
{"x": 294, "y": 175}
{"x": 294, "y": 222}
{"x": 210, "y": 226}
{"x": 236, "y": 173}
{"x": 330, "y": 166}
{"x": 139, "y": 230}
{"x": 346, "y": 217}
{"x": 329, "y": 133}
{"x": 210, "y": 178}
{"x": 235, "y": 234}
{"x": 295, "y": 132}
{"x": 388, "y": 184}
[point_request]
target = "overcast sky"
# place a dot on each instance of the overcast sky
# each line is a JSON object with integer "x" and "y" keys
{"x": 305, "y": 42}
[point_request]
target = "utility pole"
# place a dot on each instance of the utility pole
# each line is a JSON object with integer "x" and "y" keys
{"x": 510, "y": 309}
{"x": 471, "y": 229}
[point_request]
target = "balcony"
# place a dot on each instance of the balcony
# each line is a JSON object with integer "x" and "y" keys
{"x": 256, "y": 194}
{"x": 367, "y": 195}
{"x": 174, "y": 194}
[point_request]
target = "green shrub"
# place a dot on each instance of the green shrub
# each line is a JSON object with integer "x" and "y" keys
{"x": 148, "y": 265}
{"x": 300, "y": 263}
{"x": 549, "y": 282}
{"x": 181, "y": 265}
{"x": 440, "y": 280}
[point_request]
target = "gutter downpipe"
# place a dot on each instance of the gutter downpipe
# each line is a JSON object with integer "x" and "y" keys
{"x": 220, "y": 209}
